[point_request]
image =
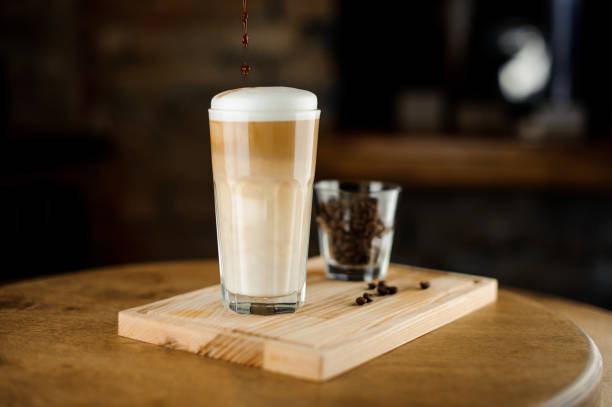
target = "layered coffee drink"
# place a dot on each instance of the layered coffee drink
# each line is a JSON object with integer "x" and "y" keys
{"x": 263, "y": 143}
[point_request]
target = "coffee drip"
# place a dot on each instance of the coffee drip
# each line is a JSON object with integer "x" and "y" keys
{"x": 244, "y": 17}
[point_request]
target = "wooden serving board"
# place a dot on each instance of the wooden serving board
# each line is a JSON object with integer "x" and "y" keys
{"x": 329, "y": 335}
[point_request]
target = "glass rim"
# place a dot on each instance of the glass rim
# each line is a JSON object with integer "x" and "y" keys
{"x": 335, "y": 185}
{"x": 263, "y": 111}
{"x": 225, "y": 115}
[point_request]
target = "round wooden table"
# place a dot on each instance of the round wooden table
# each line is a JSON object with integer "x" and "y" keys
{"x": 59, "y": 346}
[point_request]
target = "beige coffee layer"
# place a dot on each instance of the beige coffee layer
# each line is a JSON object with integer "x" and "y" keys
{"x": 263, "y": 173}
{"x": 284, "y": 150}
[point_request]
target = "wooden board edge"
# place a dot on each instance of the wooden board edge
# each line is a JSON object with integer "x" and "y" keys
{"x": 293, "y": 360}
{"x": 337, "y": 361}
{"x": 244, "y": 349}
{"x": 157, "y": 331}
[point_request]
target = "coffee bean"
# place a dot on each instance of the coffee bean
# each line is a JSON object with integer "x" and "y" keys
{"x": 382, "y": 283}
{"x": 371, "y": 286}
{"x": 368, "y": 297}
{"x": 325, "y": 211}
{"x": 382, "y": 290}
{"x": 364, "y": 245}
{"x": 392, "y": 290}
{"x": 424, "y": 285}
{"x": 360, "y": 300}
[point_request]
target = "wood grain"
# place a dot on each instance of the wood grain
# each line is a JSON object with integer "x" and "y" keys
{"x": 596, "y": 322}
{"x": 326, "y": 337}
{"x": 59, "y": 347}
{"x": 436, "y": 161}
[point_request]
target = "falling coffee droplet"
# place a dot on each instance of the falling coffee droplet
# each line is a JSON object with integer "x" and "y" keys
{"x": 244, "y": 17}
{"x": 244, "y": 69}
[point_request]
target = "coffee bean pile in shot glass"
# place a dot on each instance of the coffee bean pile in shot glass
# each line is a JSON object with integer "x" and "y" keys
{"x": 351, "y": 236}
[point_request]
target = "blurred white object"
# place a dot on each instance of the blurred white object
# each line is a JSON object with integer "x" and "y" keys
{"x": 561, "y": 118}
{"x": 528, "y": 71}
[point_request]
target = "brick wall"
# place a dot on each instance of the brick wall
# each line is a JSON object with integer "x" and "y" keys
{"x": 142, "y": 74}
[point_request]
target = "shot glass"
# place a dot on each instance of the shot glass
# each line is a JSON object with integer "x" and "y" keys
{"x": 355, "y": 225}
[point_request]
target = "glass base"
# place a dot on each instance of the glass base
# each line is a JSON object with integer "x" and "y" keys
{"x": 245, "y": 304}
{"x": 365, "y": 273}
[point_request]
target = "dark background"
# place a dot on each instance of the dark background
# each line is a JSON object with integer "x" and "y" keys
{"x": 104, "y": 127}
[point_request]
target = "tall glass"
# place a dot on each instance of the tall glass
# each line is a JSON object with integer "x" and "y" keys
{"x": 263, "y": 170}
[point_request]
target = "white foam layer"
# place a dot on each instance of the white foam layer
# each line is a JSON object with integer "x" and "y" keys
{"x": 275, "y": 103}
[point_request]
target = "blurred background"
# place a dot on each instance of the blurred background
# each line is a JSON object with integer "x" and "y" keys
{"x": 496, "y": 117}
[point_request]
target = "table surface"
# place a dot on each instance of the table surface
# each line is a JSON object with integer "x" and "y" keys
{"x": 58, "y": 346}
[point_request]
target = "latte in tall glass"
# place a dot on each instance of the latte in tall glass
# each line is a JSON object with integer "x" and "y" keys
{"x": 263, "y": 143}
